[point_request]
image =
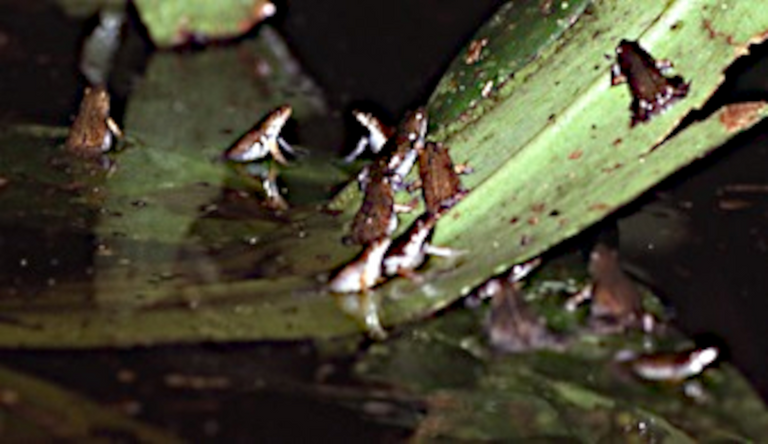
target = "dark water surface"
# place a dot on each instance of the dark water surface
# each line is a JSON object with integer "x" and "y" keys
{"x": 702, "y": 242}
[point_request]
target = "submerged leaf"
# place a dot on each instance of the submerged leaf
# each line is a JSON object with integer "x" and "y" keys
{"x": 471, "y": 392}
{"x": 35, "y": 411}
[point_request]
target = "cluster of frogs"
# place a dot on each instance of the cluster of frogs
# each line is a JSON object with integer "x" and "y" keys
{"x": 376, "y": 220}
{"x": 615, "y": 306}
{"x": 512, "y": 327}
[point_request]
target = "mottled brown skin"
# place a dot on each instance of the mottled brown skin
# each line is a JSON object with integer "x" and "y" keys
{"x": 652, "y": 91}
{"x": 407, "y": 251}
{"x": 262, "y": 140}
{"x": 408, "y": 137}
{"x": 373, "y": 219}
{"x": 615, "y": 296}
{"x": 512, "y": 326}
{"x": 90, "y": 135}
{"x": 672, "y": 367}
{"x": 440, "y": 183}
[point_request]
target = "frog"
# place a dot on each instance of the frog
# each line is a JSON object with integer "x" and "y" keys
{"x": 440, "y": 183}
{"x": 399, "y": 154}
{"x": 376, "y": 217}
{"x": 616, "y": 301}
{"x": 511, "y": 326}
{"x": 409, "y": 139}
{"x": 275, "y": 200}
{"x": 652, "y": 91}
{"x": 364, "y": 271}
{"x": 263, "y": 139}
{"x": 676, "y": 370}
{"x": 410, "y": 249}
{"x": 93, "y": 131}
{"x": 516, "y": 273}
{"x": 377, "y": 136}
{"x": 670, "y": 367}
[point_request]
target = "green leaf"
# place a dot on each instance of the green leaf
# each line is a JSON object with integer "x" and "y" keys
{"x": 171, "y": 22}
{"x": 551, "y": 146}
{"x": 580, "y": 394}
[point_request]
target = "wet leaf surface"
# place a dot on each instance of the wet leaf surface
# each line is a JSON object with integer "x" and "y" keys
{"x": 467, "y": 391}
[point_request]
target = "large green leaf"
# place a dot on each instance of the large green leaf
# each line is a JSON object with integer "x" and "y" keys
{"x": 173, "y": 22}
{"x": 550, "y": 143}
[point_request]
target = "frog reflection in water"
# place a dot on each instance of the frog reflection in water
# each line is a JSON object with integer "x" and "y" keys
{"x": 512, "y": 327}
{"x": 652, "y": 91}
{"x": 616, "y": 302}
{"x": 93, "y": 131}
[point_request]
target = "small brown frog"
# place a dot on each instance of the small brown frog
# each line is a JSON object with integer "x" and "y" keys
{"x": 409, "y": 251}
{"x": 376, "y": 217}
{"x": 440, "y": 183}
{"x": 407, "y": 141}
{"x": 93, "y": 131}
{"x": 377, "y": 136}
{"x": 399, "y": 153}
{"x": 363, "y": 272}
{"x": 669, "y": 367}
{"x": 264, "y": 139}
{"x": 616, "y": 302}
{"x": 614, "y": 294}
{"x": 512, "y": 327}
{"x": 652, "y": 91}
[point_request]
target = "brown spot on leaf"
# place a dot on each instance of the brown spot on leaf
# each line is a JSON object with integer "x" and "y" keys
{"x": 617, "y": 142}
{"x": 538, "y": 208}
{"x": 533, "y": 220}
{"x": 613, "y": 167}
{"x": 599, "y": 207}
{"x": 713, "y": 33}
{"x": 576, "y": 155}
{"x": 741, "y": 115}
